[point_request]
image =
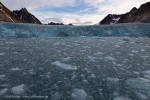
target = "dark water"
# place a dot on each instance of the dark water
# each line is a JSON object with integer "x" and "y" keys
{"x": 80, "y": 68}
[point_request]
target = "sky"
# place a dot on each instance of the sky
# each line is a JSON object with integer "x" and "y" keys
{"x": 77, "y": 12}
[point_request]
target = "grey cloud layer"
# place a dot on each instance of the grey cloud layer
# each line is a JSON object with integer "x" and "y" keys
{"x": 103, "y": 7}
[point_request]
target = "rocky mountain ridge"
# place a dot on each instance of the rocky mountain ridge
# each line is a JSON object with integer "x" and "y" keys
{"x": 8, "y": 16}
{"x": 142, "y": 14}
{"x": 17, "y": 16}
{"x": 110, "y": 19}
{"x": 24, "y": 15}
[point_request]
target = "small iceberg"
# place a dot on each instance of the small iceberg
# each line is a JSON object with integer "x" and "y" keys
{"x": 18, "y": 90}
{"x": 64, "y": 66}
{"x": 78, "y": 94}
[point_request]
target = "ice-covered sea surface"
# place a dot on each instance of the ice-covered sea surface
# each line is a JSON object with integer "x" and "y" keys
{"x": 75, "y": 68}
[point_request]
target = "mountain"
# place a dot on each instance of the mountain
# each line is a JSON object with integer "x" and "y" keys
{"x": 53, "y": 23}
{"x": 17, "y": 16}
{"x": 140, "y": 15}
{"x": 24, "y": 15}
{"x": 7, "y": 16}
{"x": 110, "y": 19}
{"x": 134, "y": 15}
{"x": 125, "y": 18}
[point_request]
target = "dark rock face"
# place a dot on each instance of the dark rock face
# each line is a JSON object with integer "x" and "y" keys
{"x": 17, "y": 16}
{"x": 142, "y": 14}
{"x": 134, "y": 15}
{"x": 110, "y": 19}
{"x": 7, "y": 16}
{"x": 53, "y": 23}
{"x": 70, "y": 24}
{"x": 125, "y": 18}
{"x": 24, "y": 15}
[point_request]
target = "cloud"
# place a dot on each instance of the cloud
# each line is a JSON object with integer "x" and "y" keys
{"x": 88, "y": 23}
{"x": 48, "y": 20}
{"x": 119, "y": 6}
{"x": 83, "y": 19}
{"x": 77, "y": 19}
{"x": 32, "y": 4}
{"x": 94, "y": 2}
{"x": 73, "y": 11}
{"x": 84, "y": 23}
{"x": 85, "y": 10}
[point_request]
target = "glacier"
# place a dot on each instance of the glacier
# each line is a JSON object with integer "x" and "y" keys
{"x": 109, "y": 62}
{"x": 33, "y": 30}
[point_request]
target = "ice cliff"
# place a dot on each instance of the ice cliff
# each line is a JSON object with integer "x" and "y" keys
{"x": 32, "y": 30}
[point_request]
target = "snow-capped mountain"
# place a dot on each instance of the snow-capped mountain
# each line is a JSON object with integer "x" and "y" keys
{"x": 110, "y": 19}
{"x": 17, "y": 16}
{"x": 134, "y": 15}
{"x": 24, "y": 15}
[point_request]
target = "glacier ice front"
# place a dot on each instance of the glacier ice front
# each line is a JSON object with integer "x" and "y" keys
{"x": 32, "y": 30}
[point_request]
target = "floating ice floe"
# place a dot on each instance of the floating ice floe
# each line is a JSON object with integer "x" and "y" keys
{"x": 18, "y": 90}
{"x": 66, "y": 59}
{"x": 84, "y": 81}
{"x": 91, "y": 58}
{"x": 135, "y": 72}
{"x": 32, "y": 71}
{"x": 15, "y": 69}
{"x": 139, "y": 85}
{"x": 98, "y": 53}
{"x": 2, "y": 77}
{"x": 132, "y": 42}
{"x": 144, "y": 79}
{"x": 56, "y": 96}
{"x": 115, "y": 93}
{"x": 112, "y": 80}
{"x": 120, "y": 42}
{"x": 121, "y": 98}
{"x": 2, "y": 54}
{"x": 57, "y": 43}
{"x": 82, "y": 36}
{"x": 86, "y": 47}
{"x": 134, "y": 51}
{"x": 3, "y": 91}
{"x": 131, "y": 54}
{"x": 64, "y": 66}
{"x": 107, "y": 58}
{"x": 92, "y": 76}
{"x": 144, "y": 57}
{"x": 4, "y": 85}
{"x": 147, "y": 72}
{"x": 142, "y": 50}
{"x": 116, "y": 46}
{"x": 141, "y": 96}
{"x": 78, "y": 94}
